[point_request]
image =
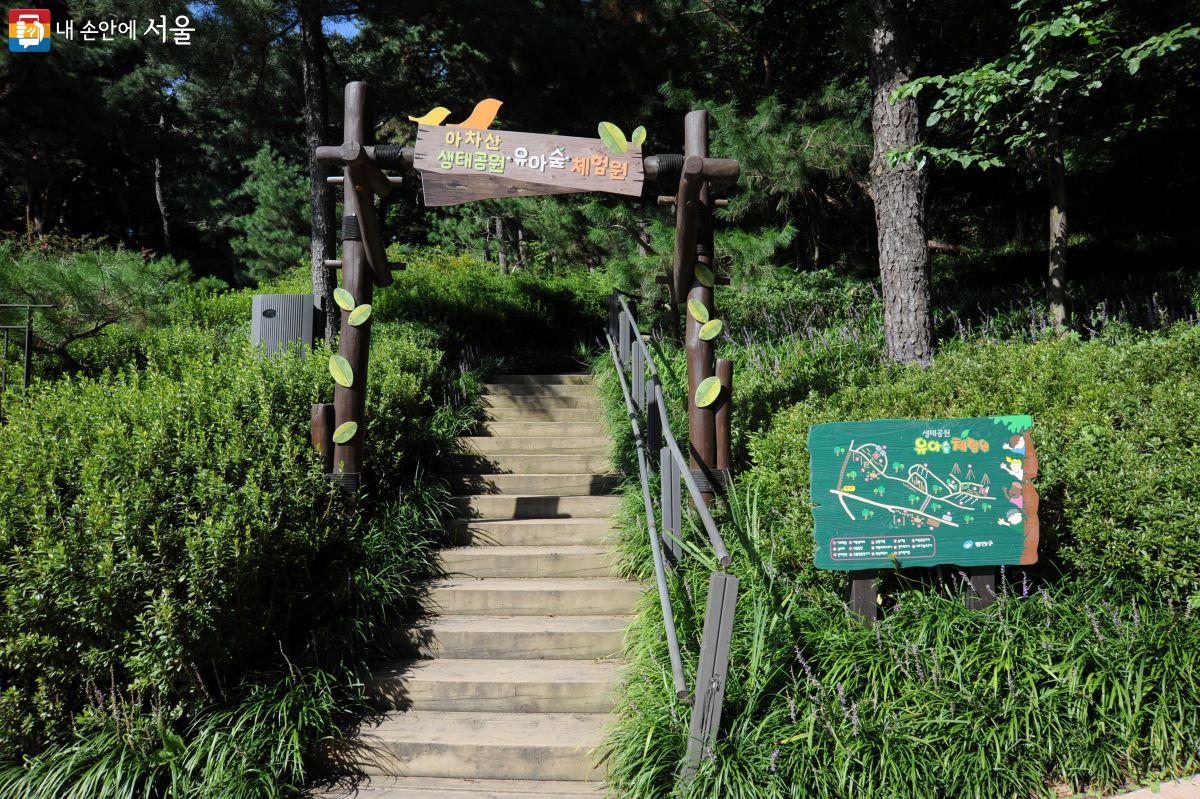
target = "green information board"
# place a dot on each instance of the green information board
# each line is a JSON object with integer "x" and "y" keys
{"x": 913, "y": 492}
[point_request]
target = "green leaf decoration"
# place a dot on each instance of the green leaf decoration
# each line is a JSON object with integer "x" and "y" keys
{"x": 1016, "y": 423}
{"x": 711, "y": 329}
{"x": 345, "y": 431}
{"x": 705, "y": 275}
{"x": 698, "y": 311}
{"x": 639, "y": 136}
{"x": 707, "y": 392}
{"x": 613, "y": 138}
{"x": 339, "y": 367}
{"x": 344, "y": 299}
{"x": 360, "y": 314}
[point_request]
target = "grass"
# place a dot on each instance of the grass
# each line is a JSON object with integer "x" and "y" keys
{"x": 1063, "y": 684}
{"x": 1082, "y": 676}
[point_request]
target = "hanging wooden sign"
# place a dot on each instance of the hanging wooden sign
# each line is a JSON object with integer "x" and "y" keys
{"x": 900, "y": 492}
{"x": 458, "y": 165}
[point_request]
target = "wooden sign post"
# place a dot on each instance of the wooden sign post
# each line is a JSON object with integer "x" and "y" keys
{"x": 363, "y": 265}
{"x": 896, "y": 493}
{"x": 464, "y": 162}
{"x": 694, "y": 198}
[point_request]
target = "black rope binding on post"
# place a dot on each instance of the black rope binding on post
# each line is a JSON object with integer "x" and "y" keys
{"x": 348, "y": 482}
{"x": 670, "y": 167}
{"x": 350, "y": 229}
{"x": 714, "y": 481}
{"x": 388, "y": 156}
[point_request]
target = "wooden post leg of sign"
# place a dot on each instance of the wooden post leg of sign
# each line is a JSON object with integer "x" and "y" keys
{"x": 864, "y": 599}
{"x": 354, "y": 342}
{"x": 701, "y": 421}
{"x": 982, "y": 590}
{"x": 724, "y": 414}
{"x": 322, "y": 432}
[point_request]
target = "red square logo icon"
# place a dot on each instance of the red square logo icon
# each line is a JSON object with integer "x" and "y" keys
{"x": 28, "y": 30}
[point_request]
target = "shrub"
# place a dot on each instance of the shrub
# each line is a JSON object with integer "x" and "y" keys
{"x": 1116, "y": 421}
{"x": 480, "y": 314}
{"x": 91, "y": 288}
{"x": 169, "y": 547}
{"x": 1090, "y": 681}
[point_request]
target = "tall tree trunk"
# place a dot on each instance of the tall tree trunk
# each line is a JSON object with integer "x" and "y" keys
{"x": 316, "y": 104}
{"x": 501, "y": 244}
{"x": 1056, "y": 178}
{"x": 159, "y": 195}
{"x": 898, "y": 192}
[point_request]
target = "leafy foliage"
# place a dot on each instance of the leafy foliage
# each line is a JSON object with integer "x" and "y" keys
{"x": 1081, "y": 678}
{"x": 187, "y": 598}
{"x": 90, "y": 287}
{"x": 272, "y": 233}
{"x": 1065, "y": 53}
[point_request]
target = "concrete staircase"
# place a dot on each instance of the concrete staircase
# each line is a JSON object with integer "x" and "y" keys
{"x": 516, "y": 670}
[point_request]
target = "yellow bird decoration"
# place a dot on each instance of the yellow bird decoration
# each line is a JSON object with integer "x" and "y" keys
{"x": 435, "y": 117}
{"x": 481, "y": 118}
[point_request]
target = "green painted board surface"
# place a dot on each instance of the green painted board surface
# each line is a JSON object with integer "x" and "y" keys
{"x": 923, "y": 492}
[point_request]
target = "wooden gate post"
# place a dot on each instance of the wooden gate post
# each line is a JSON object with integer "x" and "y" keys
{"x": 354, "y": 342}
{"x": 701, "y": 421}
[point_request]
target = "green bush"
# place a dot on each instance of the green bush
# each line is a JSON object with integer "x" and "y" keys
{"x": 481, "y": 314}
{"x": 188, "y": 603}
{"x": 163, "y": 528}
{"x": 1116, "y": 426}
{"x": 93, "y": 289}
{"x": 1087, "y": 677}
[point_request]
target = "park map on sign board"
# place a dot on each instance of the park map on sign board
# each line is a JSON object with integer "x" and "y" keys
{"x": 902, "y": 492}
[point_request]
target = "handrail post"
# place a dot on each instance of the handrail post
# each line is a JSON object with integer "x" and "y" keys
{"x": 713, "y": 669}
{"x": 639, "y": 379}
{"x": 28, "y": 370}
{"x": 671, "y": 505}
{"x": 653, "y": 423}
{"x": 623, "y": 339}
{"x": 614, "y": 309}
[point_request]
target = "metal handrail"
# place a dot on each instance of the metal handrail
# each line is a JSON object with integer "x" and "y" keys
{"x": 660, "y": 574}
{"x": 713, "y": 664}
{"x": 710, "y": 527}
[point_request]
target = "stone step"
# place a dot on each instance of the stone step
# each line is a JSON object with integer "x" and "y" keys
{"x": 579, "y": 379}
{"x": 543, "y": 484}
{"x": 456, "y": 788}
{"x": 532, "y": 506}
{"x": 531, "y": 532}
{"x": 534, "y": 596}
{"x": 577, "y": 637}
{"x": 539, "y": 403}
{"x": 519, "y": 414}
{"x": 590, "y": 429}
{"x": 534, "y": 445}
{"x": 499, "y": 686}
{"x": 519, "y": 746}
{"x": 539, "y": 390}
{"x": 538, "y": 561}
{"x": 533, "y": 463}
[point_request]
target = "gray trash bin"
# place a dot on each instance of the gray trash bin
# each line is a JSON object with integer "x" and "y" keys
{"x": 278, "y": 320}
